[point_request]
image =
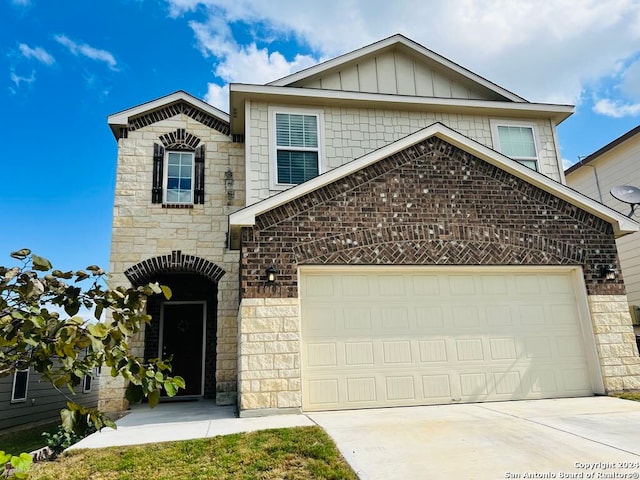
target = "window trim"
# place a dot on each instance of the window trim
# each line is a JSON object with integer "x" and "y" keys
{"x": 495, "y": 137}
{"x": 273, "y": 147}
{"x": 13, "y": 387}
{"x": 86, "y": 378}
{"x": 165, "y": 177}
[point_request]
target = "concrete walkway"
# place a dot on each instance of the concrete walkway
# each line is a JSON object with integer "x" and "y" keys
{"x": 559, "y": 438}
{"x": 183, "y": 421}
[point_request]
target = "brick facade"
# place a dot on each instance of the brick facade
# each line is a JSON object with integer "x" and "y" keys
{"x": 431, "y": 204}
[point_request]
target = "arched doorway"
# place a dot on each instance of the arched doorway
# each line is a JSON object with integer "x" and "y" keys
{"x": 183, "y": 328}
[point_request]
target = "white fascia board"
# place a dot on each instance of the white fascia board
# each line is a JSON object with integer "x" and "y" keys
{"x": 320, "y": 96}
{"x": 122, "y": 118}
{"x": 389, "y": 42}
{"x": 622, "y": 224}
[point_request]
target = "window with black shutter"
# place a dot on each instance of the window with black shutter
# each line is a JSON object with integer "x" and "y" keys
{"x": 178, "y": 175}
{"x": 198, "y": 192}
{"x": 158, "y": 163}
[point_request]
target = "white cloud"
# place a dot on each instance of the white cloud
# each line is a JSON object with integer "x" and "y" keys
{"x": 37, "y": 53}
{"x": 630, "y": 83}
{"x": 616, "y": 109}
{"x": 218, "y": 96}
{"x": 544, "y": 51}
{"x": 87, "y": 51}
{"x": 18, "y": 80}
{"x": 238, "y": 63}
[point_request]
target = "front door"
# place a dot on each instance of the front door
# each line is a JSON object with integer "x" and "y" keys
{"x": 182, "y": 333}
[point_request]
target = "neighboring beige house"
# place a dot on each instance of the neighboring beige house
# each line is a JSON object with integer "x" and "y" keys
{"x": 386, "y": 228}
{"x": 617, "y": 163}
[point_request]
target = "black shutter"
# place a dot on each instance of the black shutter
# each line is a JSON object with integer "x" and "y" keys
{"x": 158, "y": 161}
{"x": 198, "y": 190}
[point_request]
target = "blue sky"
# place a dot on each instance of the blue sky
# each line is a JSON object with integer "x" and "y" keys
{"x": 65, "y": 66}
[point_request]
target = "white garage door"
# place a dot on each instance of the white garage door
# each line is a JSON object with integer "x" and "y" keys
{"x": 390, "y": 337}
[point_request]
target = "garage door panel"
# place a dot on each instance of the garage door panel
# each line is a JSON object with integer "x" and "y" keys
{"x": 321, "y": 355}
{"x": 411, "y": 339}
{"x": 431, "y": 351}
{"x": 428, "y": 318}
{"x": 436, "y": 387}
{"x": 502, "y": 348}
{"x": 498, "y": 315}
{"x": 508, "y": 383}
{"x": 359, "y": 353}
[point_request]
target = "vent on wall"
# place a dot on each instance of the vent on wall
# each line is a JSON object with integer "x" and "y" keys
{"x": 635, "y": 314}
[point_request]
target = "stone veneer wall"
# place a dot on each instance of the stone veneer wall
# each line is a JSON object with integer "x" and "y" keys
{"x": 143, "y": 230}
{"x": 269, "y": 355}
{"x": 350, "y": 133}
{"x": 432, "y": 204}
{"x": 615, "y": 342}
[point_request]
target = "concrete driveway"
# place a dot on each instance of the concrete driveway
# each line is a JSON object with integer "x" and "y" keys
{"x": 593, "y": 437}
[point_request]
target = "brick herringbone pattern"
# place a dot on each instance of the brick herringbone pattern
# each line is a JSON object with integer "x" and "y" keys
{"x": 431, "y": 204}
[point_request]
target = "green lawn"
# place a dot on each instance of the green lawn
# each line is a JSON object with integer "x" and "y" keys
{"x": 25, "y": 440}
{"x": 301, "y": 453}
{"x": 635, "y": 396}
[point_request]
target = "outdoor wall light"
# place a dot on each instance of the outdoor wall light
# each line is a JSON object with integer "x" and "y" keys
{"x": 608, "y": 272}
{"x": 271, "y": 274}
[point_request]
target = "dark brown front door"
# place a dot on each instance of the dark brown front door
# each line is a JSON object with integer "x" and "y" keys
{"x": 182, "y": 337}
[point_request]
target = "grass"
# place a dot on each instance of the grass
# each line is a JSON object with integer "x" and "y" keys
{"x": 301, "y": 453}
{"x": 635, "y": 396}
{"x": 26, "y": 439}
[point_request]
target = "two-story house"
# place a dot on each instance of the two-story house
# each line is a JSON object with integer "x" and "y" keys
{"x": 386, "y": 228}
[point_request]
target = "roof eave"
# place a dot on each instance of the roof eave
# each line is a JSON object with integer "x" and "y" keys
{"x": 608, "y": 147}
{"x": 120, "y": 119}
{"x": 239, "y": 93}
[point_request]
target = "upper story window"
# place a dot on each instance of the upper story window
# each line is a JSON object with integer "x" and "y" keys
{"x": 296, "y": 146}
{"x": 518, "y": 141}
{"x": 178, "y": 182}
{"x": 178, "y": 175}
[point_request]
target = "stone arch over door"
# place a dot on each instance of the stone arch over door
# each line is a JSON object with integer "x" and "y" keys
{"x": 186, "y": 325}
{"x": 174, "y": 262}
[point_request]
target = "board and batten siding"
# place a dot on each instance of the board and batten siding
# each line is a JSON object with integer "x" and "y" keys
{"x": 350, "y": 133}
{"x": 618, "y": 166}
{"x": 43, "y": 403}
{"x": 397, "y": 73}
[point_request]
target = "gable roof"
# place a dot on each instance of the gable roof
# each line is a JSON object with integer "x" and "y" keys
{"x": 302, "y": 88}
{"x": 407, "y": 45}
{"x": 622, "y": 225}
{"x": 608, "y": 147}
{"x": 165, "y": 107}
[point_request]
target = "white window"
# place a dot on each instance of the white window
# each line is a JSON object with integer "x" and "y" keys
{"x": 296, "y": 140}
{"x": 20, "y": 386}
{"x": 516, "y": 140}
{"x": 178, "y": 181}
